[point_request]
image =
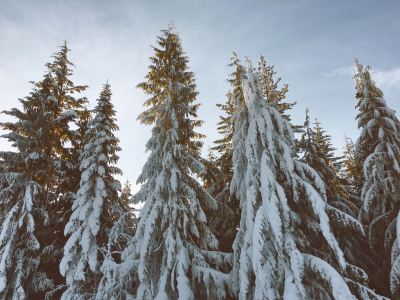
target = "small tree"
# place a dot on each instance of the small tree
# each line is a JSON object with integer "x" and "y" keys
{"x": 318, "y": 152}
{"x": 273, "y": 94}
{"x": 352, "y": 173}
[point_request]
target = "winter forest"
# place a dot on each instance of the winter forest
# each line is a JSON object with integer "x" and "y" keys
{"x": 271, "y": 212}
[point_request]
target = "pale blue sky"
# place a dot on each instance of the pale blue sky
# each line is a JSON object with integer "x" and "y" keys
{"x": 312, "y": 44}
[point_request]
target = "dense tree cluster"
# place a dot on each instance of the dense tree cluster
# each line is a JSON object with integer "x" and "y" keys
{"x": 272, "y": 213}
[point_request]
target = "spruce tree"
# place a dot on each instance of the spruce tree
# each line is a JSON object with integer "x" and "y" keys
{"x": 227, "y": 217}
{"x": 122, "y": 231}
{"x": 274, "y": 94}
{"x": 378, "y": 147}
{"x": 22, "y": 198}
{"x": 126, "y": 195}
{"x": 351, "y": 172}
{"x": 126, "y": 212}
{"x": 285, "y": 247}
{"x": 93, "y": 209}
{"x": 318, "y": 153}
{"x": 173, "y": 246}
{"x": 68, "y": 111}
{"x": 41, "y": 134}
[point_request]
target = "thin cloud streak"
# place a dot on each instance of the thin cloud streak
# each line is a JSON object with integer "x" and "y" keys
{"x": 385, "y": 79}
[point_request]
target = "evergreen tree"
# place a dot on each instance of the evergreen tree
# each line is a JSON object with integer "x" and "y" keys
{"x": 67, "y": 110}
{"x": 227, "y": 217}
{"x": 274, "y": 95}
{"x": 119, "y": 236}
{"x": 40, "y": 135}
{"x": 223, "y": 146}
{"x": 318, "y": 153}
{"x": 22, "y": 199}
{"x": 378, "y": 147}
{"x": 93, "y": 208}
{"x": 351, "y": 172}
{"x": 126, "y": 195}
{"x": 126, "y": 211}
{"x": 285, "y": 247}
{"x": 172, "y": 246}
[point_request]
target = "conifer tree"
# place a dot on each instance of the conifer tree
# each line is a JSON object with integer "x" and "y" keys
{"x": 378, "y": 147}
{"x": 318, "y": 153}
{"x": 285, "y": 247}
{"x": 126, "y": 195}
{"x": 351, "y": 172}
{"x": 270, "y": 86}
{"x": 125, "y": 211}
{"x": 40, "y": 135}
{"x": 173, "y": 247}
{"x": 227, "y": 217}
{"x": 93, "y": 208}
{"x": 21, "y": 199}
{"x": 121, "y": 233}
{"x": 223, "y": 146}
{"x": 68, "y": 111}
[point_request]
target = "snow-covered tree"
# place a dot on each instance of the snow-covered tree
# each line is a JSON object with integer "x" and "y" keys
{"x": 226, "y": 223}
{"x": 120, "y": 234}
{"x": 65, "y": 111}
{"x": 285, "y": 247}
{"x": 318, "y": 152}
{"x": 378, "y": 147}
{"x": 27, "y": 180}
{"x": 18, "y": 243}
{"x": 351, "y": 172}
{"x": 226, "y": 218}
{"x": 35, "y": 178}
{"x": 172, "y": 250}
{"x": 93, "y": 212}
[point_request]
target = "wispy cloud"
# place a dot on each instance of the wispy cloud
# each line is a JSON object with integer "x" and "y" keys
{"x": 386, "y": 79}
{"x": 340, "y": 72}
{"x": 389, "y": 79}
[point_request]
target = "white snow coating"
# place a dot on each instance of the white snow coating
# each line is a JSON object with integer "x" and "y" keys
{"x": 266, "y": 246}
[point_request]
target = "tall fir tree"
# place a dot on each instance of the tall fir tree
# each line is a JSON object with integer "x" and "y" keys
{"x": 173, "y": 246}
{"x": 274, "y": 95}
{"x": 285, "y": 247}
{"x": 227, "y": 217}
{"x": 70, "y": 112}
{"x": 22, "y": 198}
{"x": 94, "y": 207}
{"x": 41, "y": 135}
{"x": 378, "y": 148}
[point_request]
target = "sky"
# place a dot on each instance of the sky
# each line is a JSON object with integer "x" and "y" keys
{"x": 311, "y": 43}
